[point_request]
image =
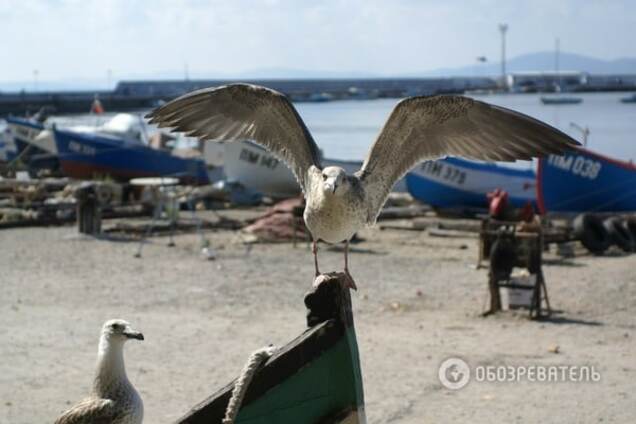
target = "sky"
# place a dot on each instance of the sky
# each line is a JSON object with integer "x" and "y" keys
{"x": 118, "y": 39}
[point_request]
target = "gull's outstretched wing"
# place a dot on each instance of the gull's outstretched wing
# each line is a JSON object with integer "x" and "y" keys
{"x": 422, "y": 128}
{"x": 244, "y": 112}
{"x": 91, "y": 411}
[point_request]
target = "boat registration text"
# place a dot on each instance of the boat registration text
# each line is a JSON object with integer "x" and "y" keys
{"x": 577, "y": 165}
{"x": 443, "y": 171}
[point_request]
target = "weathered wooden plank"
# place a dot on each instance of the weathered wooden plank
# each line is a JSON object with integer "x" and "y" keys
{"x": 315, "y": 378}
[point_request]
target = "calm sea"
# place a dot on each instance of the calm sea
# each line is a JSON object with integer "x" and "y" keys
{"x": 346, "y": 129}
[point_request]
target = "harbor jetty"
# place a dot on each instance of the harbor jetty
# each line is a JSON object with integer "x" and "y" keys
{"x": 135, "y": 95}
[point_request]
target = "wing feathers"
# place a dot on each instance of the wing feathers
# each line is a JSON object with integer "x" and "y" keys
{"x": 421, "y": 128}
{"x": 241, "y": 112}
{"x": 90, "y": 411}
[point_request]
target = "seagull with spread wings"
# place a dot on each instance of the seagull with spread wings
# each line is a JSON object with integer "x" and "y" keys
{"x": 418, "y": 129}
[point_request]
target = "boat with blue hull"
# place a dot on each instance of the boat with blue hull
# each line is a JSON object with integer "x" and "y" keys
{"x": 24, "y": 133}
{"x": 454, "y": 183}
{"x": 7, "y": 145}
{"x": 585, "y": 181}
{"x": 94, "y": 155}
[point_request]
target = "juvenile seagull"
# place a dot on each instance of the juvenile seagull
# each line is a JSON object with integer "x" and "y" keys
{"x": 337, "y": 204}
{"x": 113, "y": 400}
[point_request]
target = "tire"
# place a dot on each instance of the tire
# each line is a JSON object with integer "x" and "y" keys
{"x": 619, "y": 234}
{"x": 630, "y": 224}
{"x": 592, "y": 234}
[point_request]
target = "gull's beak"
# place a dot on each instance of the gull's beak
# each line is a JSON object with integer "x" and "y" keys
{"x": 132, "y": 334}
{"x": 330, "y": 185}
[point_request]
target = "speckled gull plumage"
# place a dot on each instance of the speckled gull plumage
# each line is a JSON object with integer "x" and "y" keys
{"x": 418, "y": 129}
{"x": 113, "y": 400}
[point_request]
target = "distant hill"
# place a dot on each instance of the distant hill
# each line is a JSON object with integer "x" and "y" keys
{"x": 273, "y": 73}
{"x": 541, "y": 61}
{"x": 263, "y": 73}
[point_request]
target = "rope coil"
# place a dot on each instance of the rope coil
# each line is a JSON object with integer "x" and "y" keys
{"x": 255, "y": 361}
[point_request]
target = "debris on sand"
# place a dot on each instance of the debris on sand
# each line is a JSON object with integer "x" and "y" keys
{"x": 282, "y": 222}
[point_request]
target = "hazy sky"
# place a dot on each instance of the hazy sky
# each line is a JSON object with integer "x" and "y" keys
{"x": 66, "y": 39}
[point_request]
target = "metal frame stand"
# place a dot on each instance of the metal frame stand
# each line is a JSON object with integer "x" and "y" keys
{"x": 525, "y": 250}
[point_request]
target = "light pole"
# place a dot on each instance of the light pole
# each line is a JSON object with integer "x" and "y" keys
{"x": 503, "y": 28}
{"x": 35, "y": 79}
{"x": 585, "y": 131}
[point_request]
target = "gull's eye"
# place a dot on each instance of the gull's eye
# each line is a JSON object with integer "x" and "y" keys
{"x": 324, "y": 177}
{"x": 116, "y": 326}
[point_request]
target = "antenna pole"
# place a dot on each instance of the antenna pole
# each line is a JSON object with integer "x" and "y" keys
{"x": 503, "y": 28}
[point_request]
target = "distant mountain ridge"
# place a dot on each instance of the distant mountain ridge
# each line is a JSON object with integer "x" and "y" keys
{"x": 539, "y": 61}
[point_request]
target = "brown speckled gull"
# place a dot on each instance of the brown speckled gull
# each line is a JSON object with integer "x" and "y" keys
{"x": 419, "y": 128}
{"x": 113, "y": 400}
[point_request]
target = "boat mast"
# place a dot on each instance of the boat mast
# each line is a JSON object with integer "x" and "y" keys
{"x": 502, "y": 29}
{"x": 556, "y": 64}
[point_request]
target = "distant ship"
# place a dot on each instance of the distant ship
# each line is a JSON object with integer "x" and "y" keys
{"x": 629, "y": 99}
{"x": 560, "y": 100}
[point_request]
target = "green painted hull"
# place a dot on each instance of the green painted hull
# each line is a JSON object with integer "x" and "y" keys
{"x": 323, "y": 388}
{"x": 316, "y": 378}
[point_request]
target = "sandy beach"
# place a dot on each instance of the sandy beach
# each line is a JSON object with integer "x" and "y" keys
{"x": 419, "y": 302}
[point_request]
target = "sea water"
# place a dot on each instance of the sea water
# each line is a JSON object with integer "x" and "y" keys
{"x": 346, "y": 129}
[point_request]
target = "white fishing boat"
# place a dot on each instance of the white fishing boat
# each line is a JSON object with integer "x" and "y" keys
{"x": 257, "y": 169}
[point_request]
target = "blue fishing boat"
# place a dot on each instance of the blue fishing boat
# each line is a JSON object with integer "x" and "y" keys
{"x": 24, "y": 133}
{"x": 7, "y": 146}
{"x": 94, "y": 155}
{"x": 585, "y": 181}
{"x": 454, "y": 183}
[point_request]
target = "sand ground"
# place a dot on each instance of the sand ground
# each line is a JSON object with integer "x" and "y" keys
{"x": 418, "y": 303}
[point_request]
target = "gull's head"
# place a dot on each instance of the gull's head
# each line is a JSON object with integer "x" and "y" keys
{"x": 334, "y": 180}
{"x": 118, "y": 330}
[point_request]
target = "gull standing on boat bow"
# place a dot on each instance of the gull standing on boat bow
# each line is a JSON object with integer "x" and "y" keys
{"x": 418, "y": 129}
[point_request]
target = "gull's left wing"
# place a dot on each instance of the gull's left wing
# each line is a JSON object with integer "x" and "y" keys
{"x": 244, "y": 112}
{"x": 431, "y": 127}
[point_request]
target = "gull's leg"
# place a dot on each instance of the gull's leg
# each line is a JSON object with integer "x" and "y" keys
{"x": 350, "y": 283}
{"x": 314, "y": 250}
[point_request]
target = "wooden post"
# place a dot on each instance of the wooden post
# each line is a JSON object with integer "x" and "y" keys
{"x": 495, "y": 295}
{"x": 89, "y": 214}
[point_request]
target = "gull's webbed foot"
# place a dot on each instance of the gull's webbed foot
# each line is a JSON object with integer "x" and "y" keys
{"x": 348, "y": 281}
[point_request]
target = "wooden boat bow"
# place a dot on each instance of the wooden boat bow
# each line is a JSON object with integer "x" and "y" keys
{"x": 316, "y": 378}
